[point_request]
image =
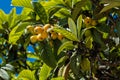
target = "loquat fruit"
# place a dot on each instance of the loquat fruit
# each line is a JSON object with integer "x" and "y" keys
{"x": 54, "y": 35}
{"x": 46, "y": 27}
{"x": 33, "y": 38}
{"x": 30, "y": 29}
{"x": 44, "y": 34}
{"x": 93, "y": 23}
{"x": 38, "y": 30}
{"x": 40, "y": 37}
{"x": 60, "y": 36}
{"x": 87, "y": 21}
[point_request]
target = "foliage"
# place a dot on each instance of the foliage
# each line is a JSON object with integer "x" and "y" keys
{"x": 87, "y": 47}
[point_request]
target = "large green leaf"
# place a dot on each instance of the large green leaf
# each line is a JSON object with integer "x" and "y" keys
{"x": 11, "y": 17}
{"x": 40, "y": 10}
{"x": 15, "y": 19}
{"x": 97, "y": 37}
{"x": 47, "y": 55}
{"x": 23, "y": 3}
{"x": 72, "y": 26}
{"x": 85, "y": 64}
{"x": 16, "y": 33}
{"x": 62, "y": 60}
{"x": 77, "y": 8}
{"x": 26, "y": 74}
{"x": 3, "y": 17}
{"x": 63, "y": 13}
{"x": 53, "y": 10}
{"x": 111, "y": 4}
{"x": 66, "y": 45}
{"x": 44, "y": 72}
{"x": 68, "y": 3}
{"x": 88, "y": 42}
{"x": 79, "y": 26}
{"x": 66, "y": 33}
{"x": 75, "y": 64}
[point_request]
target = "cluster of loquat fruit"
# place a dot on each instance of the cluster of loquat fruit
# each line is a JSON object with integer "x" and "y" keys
{"x": 41, "y": 33}
{"x": 89, "y": 22}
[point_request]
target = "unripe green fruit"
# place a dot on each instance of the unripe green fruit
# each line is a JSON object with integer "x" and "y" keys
{"x": 93, "y": 23}
{"x": 87, "y": 33}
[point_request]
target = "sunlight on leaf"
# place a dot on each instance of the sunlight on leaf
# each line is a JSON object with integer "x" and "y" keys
{"x": 44, "y": 72}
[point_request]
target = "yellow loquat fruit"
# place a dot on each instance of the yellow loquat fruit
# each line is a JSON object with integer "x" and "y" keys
{"x": 46, "y": 27}
{"x": 38, "y": 30}
{"x": 33, "y": 38}
{"x": 54, "y": 35}
{"x": 44, "y": 34}
{"x": 60, "y": 36}
{"x": 87, "y": 21}
{"x": 40, "y": 37}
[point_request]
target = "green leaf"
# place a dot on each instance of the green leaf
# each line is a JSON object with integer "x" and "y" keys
{"x": 68, "y": 3}
{"x": 88, "y": 42}
{"x": 11, "y": 17}
{"x": 66, "y": 33}
{"x": 26, "y": 74}
{"x": 22, "y": 3}
{"x": 79, "y": 25}
{"x": 47, "y": 55}
{"x": 53, "y": 10}
{"x": 72, "y": 26}
{"x": 15, "y": 19}
{"x": 75, "y": 64}
{"x": 16, "y": 33}
{"x": 77, "y": 8}
{"x": 3, "y": 17}
{"x": 74, "y": 2}
{"x": 1, "y": 27}
{"x": 32, "y": 56}
{"x": 66, "y": 45}
{"x": 111, "y": 4}
{"x": 58, "y": 78}
{"x": 44, "y": 72}
{"x": 4, "y": 75}
{"x": 97, "y": 37}
{"x": 2, "y": 40}
{"x": 39, "y": 9}
{"x": 63, "y": 13}
{"x": 85, "y": 64}
{"x": 62, "y": 60}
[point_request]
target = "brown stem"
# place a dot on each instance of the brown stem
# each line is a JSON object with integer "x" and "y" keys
{"x": 66, "y": 71}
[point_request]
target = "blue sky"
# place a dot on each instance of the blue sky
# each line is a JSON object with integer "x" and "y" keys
{"x": 5, "y": 5}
